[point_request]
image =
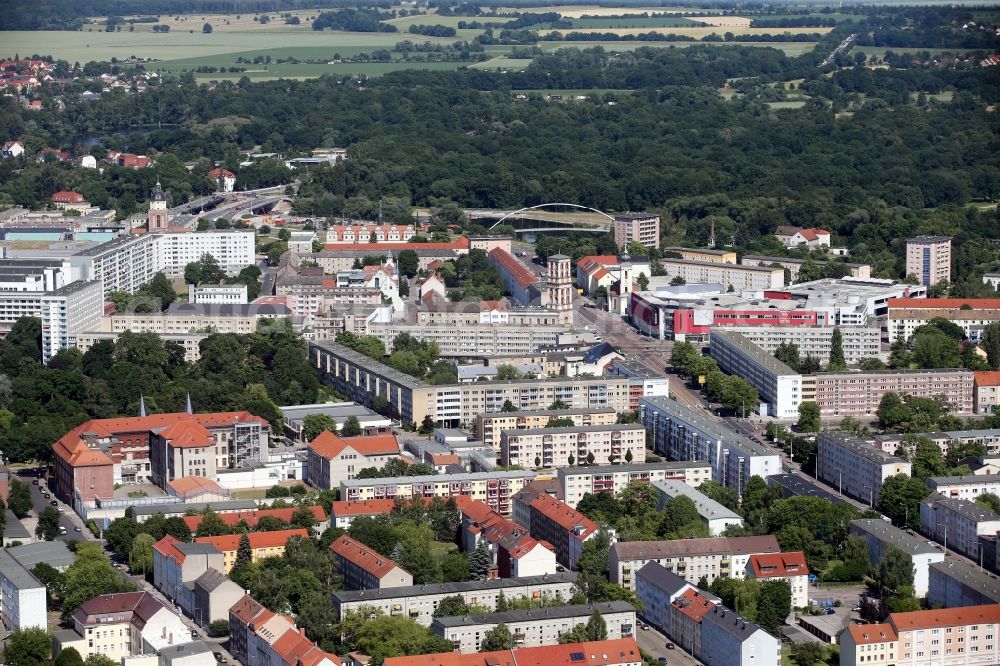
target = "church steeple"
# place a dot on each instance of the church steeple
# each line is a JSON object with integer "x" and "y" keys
{"x": 158, "y": 218}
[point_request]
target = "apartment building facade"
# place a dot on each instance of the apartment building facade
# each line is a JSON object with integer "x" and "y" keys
{"x": 689, "y": 558}
{"x": 575, "y": 482}
{"x": 535, "y": 627}
{"x": 562, "y": 526}
{"x": 233, "y": 249}
{"x": 262, "y": 544}
{"x": 419, "y": 602}
{"x": 363, "y": 379}
{"x": 681, "y": 433}
{"x": 987, "y": 391}
{"x": 858, "y": 342}
{"x": 957, "y": 523}
{"x": 642, "y": 228}
{"x": 777, "y": 384}
{"x": 124, "y": 263}
{"x": 942, "y": 637}
{"x": 490, "y": 426}
{"x": 973, "y": 315}
{"x": 880, "y": 535}
{"x": 928, "y": 258}
{"x": 858, "y": 394}
{"x": 332, "y": 459}
{"x": 954, "y": 583}
{"x": 790, "y": 567}
{"x": 22, "y": 596}
{"x": 741, "y": 278}
{"x": 556, "y": 448}
{"x": 854, "y": 467}
{"x": 495, "y": 489}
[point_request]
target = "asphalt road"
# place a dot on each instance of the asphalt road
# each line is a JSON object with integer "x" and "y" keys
{"x": 75, "y": 530}
{"x": 655, "y": 644}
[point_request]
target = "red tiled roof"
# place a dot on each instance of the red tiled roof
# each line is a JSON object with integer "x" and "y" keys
{"x": 253, "y": 517}
{"x": 779, "y": 564}
{"x": 598, "y": 259}
{"x": 866, "y": 634}
{"x": 68, "y": 197}
{"x": 186, "y": 435}
{"x": 693, "y": 605}
{"x": 363, "y": 556}
{"x": 509, "y": 264}
{"x": 328, "y": 445}
{"x": 363, "y": 508}
{"x": 167, "y": 546}
{"x": 946, "y": 617}
{"x": 295, "y": 649}
{"x": 601, "y": 273}
{"x": 987, "y": 378}
{"x": 813, "y": 234}
{"x": 944, "y": 303}
{"x": 230, "y": 542}
{"x": 246, "y": 609}
{"x": 218, "y": 172}
{"x": 561, "y": 513}
{"x": 594, "y": 653}
{"x": 189, "y": 485}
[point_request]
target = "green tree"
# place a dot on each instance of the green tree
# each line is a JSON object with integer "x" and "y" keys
{"x": 855, "y": 552}
{"x": 47, "y": 528}
{"x": 506, "y": 372}
{"x": 207, "y": 28}
{"x": 408, "y": 263}
{"x": 140, "y": 559}
{"x": 597, "y": 629}
{"x": 788, "y": 353}
{"x": 809, "y": 653}
{"x": 900, "y": 498}
{"x": 773, "y": 605}
{"x": 679, "y": 513}
{"x": 351, "y": 427}
{"x": 927, "y": 457}
{"x": 894, "y": 573}
{"x": 558, "y": 404}
{"x": 211, "y": 524}
{"x": 837, "y": 361}
{"x": 314, "y": 424}
{"x": 244, "y": 553}
{"x": 19, "y": 498}
{"x": 90, "y": 575}
{"x": 990, "y": 341}
{"x": 480, "y": 562}
{"x": 451, "y": 606}
{"x": 69, "y": 657}
{"x": 28, "y": 647}
{"x": 498, "y": 638}
{"x": 989, "y": 501}
{"x": 808, "y": 417}
{"x": 508, "y": 406}
{"x": 560, "y": 422}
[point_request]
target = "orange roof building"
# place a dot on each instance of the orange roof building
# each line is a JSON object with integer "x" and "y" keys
{"x": 342, "y": 514}
{"x": 257, "y": 632}
{"x": 790, "y": 566}
{"x": 332, "y": 459}
{"x": 906, "y": 315}
{"x": 516, "y": 552}
{"x": 616, "y": 652}
{"x": 554, "y": 521}
{"x": 950, "y": 636}
{"x": 263, "y": 544}
{"x": 366, "y": 569}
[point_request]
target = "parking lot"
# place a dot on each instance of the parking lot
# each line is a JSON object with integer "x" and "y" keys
{"x": 655, "y": 644}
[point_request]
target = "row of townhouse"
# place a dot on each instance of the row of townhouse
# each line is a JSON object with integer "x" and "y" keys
{"x": 698, "y": 623}
{"x": 421, "y": 601}
{"x": 989, "y": 439}
{"x": 535, "y": 627}
{"x": 262, "y": 544}
{"x": 692, "y": 559}
{"x": 681, "y": 433}
{"x": 513, "y": 551}
{"x": 973, "y": 315}
{"x": 495, "y": 489}
{"x": 566, "y": 529}
{"x": 611, "y": 652}
{"x": 966, "y": 636}
{"x": 363, "y": 568}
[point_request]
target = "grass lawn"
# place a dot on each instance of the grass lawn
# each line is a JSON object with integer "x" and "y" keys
{"x": 788, "y": 104}
{"x": 790, "y": 48}
{"x": 254, "y": 493}
{"x": 647, "y": 22}
{"x": 698, "y": 31}
{"x": 880, "y": 50}
{"x": 502, "y": 62}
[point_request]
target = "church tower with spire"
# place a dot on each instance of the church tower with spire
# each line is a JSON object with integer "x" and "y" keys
{"x": 158, "y": 218}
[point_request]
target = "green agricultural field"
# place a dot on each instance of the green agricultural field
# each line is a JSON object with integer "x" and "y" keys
{"x": 339, "y": 69}
{"x": 86, "y": 46}
{"x": 502, "y": 62}
{"x": 648, "y": 22}
{"x": 403, "y": 23}
{"x": 881, "y": 50}
{"x": 791, "y": 49}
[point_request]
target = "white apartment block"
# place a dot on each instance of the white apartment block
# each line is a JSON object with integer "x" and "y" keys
{"x": 232, "y": 248}
{"x": 776, "y": 383}
{"x": 957, "y": 523}
{"x": 191, "y": 342}
{"x": 555, "y": 448}
{"x": 681, "y": 433}
{"x": 964, "y": 487}
{"x": 854, "y": 467}
{"x": 219, "y": 293}
{"x": 532, "y": 628}
{"x": 474, "y": 339}
{"x": 880, "y": 535}
{"x": 490, "y": 426}
{"x": 713, "y": 514}
{"x": 193, "y": 318}
{"x": 641, "y": 227}
{"x": 65, "y": 313}
{"x": 945, "y": 637}
{"x": 956, "y": 582}
{"x": 22, "y": 597}
{"x": 859, "y": 342}
{"x": 124, "y": 263}
{"x": 928, "y": 258}
{"x": 728, "y": 639}
{"x": 452, "y": 405}
{"x": 579, "y": 481}
{"x": 689, "y": 558}
{"x": 495, "y": 489}
{"x": 741, "y": 278}
{"x": 419, "y": 602}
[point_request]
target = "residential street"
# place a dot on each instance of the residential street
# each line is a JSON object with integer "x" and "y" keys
{"x": 654, "y": 643}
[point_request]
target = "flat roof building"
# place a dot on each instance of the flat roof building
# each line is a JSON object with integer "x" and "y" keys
{"x": 778, "y": 385}
{"x": 854, "y": 467}
{"x": 713, "y": 514}
{"x": 575, "y": 482}
{"x": 881, "y": 534}
{"x": 955, "y": 582}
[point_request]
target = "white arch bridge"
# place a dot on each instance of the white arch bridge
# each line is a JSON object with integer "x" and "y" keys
{"x": 534, "y": 219}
